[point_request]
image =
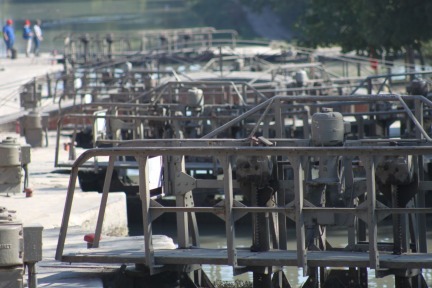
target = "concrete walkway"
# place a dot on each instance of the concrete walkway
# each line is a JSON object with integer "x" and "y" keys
{"x": 45, "y": 208}
{"x": 16, "y": 72}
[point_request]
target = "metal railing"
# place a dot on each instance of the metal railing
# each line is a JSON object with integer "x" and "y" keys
{"x": 365, "y": 203}
{"x": 371, "y": 211}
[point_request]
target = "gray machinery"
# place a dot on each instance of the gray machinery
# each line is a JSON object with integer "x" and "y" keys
{"x": 20, "y": 247}
{"x": 30, "y": 95}
{"x": 33, "y": 123}
{"x": 328, "y": 129}
{"x": 13, "y": 159}
{"x": 327, "y": 180}
{"x": 257, "y": 184}
{"x": 254, "y": 174}
{"x": 34, "y": 127}
{"x": 11, "y": 252}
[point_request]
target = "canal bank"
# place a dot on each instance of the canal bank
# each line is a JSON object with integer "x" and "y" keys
{"x": 45, "y": 208}
{"x": 14, "y": 73}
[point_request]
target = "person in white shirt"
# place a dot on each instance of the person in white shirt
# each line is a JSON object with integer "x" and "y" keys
{"x": 37, "y": 37}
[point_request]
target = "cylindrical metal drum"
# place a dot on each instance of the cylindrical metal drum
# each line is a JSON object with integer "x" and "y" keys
{"x": 33, "y": 129}
{"x": 195, "y": 97}
{"x": 327, "y": 129}
{"x": 11, "y": 240}
{"x": 33, "y": 120}
{"x": 149, "y": 83}
{"x": 10, "y": 166}
{"x": 127, "y": 67}
{"x": 10, "y": 152}
{"x": 301, "y": 78}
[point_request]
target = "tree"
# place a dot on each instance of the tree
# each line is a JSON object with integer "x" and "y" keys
{"x": 382, "y": 26}
{"x": 288, "y": 10}
{"x": 362, "y": 25}
{"x": 221, "y": 14}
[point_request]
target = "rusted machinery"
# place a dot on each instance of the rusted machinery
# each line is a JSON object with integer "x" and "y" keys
{"x": 328, "y": 180}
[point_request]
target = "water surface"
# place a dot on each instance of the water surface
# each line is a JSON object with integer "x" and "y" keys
{"x": 121, "y": 17}
{"x": 213, "y": 236}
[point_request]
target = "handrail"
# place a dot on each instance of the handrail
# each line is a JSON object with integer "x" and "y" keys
{"x": 386, "y": 77}
{"x": 340, "y": 99}
{"x": 369, "y": 211}
{"x": 233, "y": 84}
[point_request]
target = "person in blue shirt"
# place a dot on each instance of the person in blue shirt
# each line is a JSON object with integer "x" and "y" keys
{"x": 9, "y": 37}
{"x": 27, "y": 36}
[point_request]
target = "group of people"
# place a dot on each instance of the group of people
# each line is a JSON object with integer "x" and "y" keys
{"x": 31, "y": 35}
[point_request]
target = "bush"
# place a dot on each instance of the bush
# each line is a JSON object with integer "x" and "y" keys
{"x": 427, "y": 52}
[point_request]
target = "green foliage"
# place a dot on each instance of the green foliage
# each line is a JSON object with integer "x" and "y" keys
{"x": 427, "y": 51}
{"x": 385, "y": 25}
{"x": 288, "y": 10}
{"x": 379, "y": 25}
{"x": 222, "y": 14}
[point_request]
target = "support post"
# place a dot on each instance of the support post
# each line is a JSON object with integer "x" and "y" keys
{"x": 300, "y": 225}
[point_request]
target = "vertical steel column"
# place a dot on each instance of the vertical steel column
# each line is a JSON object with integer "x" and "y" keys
{"x": 300, "y": 225}
{"x": 261, "y": 236}
{"x": 57, "y": 148}
{"x": 66, "y": 213}
{"x": 178, "y": 165}
{"x": 32, "y": 275}
{"x": 49, "y": 88}
{"x": 360, "y": 127}
{"x": 229, "y": 99}
{"x": 369, "y": 87}
{"x": 244, "y": 93}
{"x": 349, "y": 189}
{"x": 369, "y": 164}
{"x": 421, "y": 218}
{"x": 418, "y": 113}
{"x": 229, "y": 217}
{"x": 420, "y": 196}
{"x": 144, "y": 193}
{"x": 306, "y": 127}
{"x": 282, "y": 221}
{"x": 278, "y": 118}
{"x": 104, "y": 199}
{"x": 266, "y": 127}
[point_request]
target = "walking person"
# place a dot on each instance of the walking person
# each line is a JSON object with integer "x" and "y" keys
{"x": 28, "y": 37}
{"x": 37, "y": 36}
{"x": 9, "y": 39}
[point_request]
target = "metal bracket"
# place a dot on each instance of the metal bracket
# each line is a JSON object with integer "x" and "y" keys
{"x": 183, "y": 183}
{"x": 155, "y": 214}
{"x": 237, "y": 215}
